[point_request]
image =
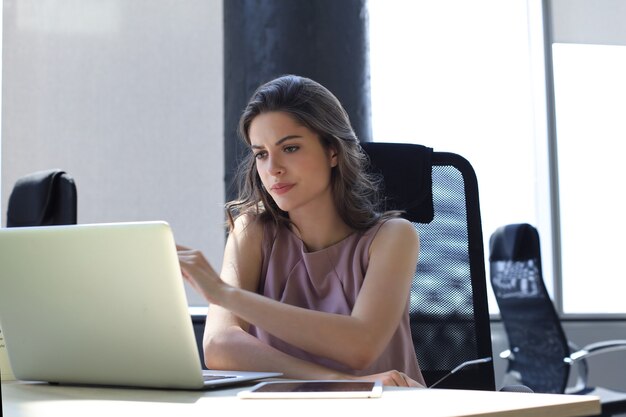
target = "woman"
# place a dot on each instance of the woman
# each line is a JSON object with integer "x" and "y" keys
{"x": 315, "y": 281}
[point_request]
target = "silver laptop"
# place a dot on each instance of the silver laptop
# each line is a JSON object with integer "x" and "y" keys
{"x": 100, "y": 304}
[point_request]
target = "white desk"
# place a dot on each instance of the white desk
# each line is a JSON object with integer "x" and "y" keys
{"x": 35, "y": 400}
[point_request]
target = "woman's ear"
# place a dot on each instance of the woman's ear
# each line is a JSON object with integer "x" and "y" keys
{"x": 333, "y": 156}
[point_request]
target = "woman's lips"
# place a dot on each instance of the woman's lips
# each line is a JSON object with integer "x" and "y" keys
{"x": 281, "y": 188}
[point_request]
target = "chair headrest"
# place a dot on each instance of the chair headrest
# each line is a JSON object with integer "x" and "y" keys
{"x": 514, "y": 242}
{"x": 407, "y": 176}
{"x": 34, "y": 197}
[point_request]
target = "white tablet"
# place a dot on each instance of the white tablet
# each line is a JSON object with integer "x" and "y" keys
{"x": 314, "y": 389}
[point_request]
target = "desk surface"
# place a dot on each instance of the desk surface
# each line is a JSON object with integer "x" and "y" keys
{"x": 35, "y": 399}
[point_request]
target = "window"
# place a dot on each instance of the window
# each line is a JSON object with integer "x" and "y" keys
{"x": 471, "y": 78}
{"x": 590, "y": 104}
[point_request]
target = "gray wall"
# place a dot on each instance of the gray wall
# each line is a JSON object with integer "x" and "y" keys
{"x": 127, "y": 97}
{"x": 588, "y": 21}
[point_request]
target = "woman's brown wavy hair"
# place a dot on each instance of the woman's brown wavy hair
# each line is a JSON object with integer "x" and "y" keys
{"x": 355, "y": 191}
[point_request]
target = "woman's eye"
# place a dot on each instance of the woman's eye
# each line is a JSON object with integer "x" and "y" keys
{"x": 259, "y": 155}
{"x": 291, "y": 148}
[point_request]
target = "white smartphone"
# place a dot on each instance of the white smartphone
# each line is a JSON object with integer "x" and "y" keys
{"x": 314, "y": 389}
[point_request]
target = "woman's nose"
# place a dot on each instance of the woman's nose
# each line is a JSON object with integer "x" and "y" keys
{"x": 275, "y": 166}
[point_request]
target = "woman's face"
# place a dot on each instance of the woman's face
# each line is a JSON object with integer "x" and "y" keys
{"x": 291, "y": 161}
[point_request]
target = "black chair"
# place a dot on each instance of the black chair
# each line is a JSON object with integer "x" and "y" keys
{"x": 449, "y": 314}
{"x": 43, "y": 198}
{"x": 540, "y": 355}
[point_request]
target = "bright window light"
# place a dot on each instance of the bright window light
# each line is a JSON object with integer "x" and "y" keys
{"x": 455, "y": 75}
{"x": 590, "y": 101}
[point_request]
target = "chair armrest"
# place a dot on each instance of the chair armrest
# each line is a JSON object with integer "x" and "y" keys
{"x": 580, "y": 356}
{"x": 596, "y": 348}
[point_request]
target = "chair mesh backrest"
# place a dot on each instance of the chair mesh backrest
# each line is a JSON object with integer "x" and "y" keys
{"x": 448, "y": 303}
{"x": 449, "y": 317}
{"x": 532, "y": 325}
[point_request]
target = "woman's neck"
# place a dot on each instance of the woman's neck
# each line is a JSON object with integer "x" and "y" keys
{"x": 320, "y": 230}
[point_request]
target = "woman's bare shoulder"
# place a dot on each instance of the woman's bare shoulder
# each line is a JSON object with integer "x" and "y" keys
{"x": 398, "y": 225}
{"x": 396, "y": 231}
{"x": 248, "y": 226}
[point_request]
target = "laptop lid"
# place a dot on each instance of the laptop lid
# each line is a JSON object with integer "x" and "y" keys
{"x": 99, "y": 304}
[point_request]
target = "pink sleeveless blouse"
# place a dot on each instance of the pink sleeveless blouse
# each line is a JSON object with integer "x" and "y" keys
{"x": 327, "y": 280}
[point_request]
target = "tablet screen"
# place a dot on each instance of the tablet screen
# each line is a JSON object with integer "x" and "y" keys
{"x": 314, "y": 389}
{"x": 316, "y": 386}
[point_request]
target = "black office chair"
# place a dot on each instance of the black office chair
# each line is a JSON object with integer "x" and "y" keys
{"x": 540, "y": 356}
{"x": 43, "y": 198}
{"x": 448, "y": 309}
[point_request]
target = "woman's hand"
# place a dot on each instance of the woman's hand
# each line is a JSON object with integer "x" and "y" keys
{"x": 393, "y": 379}
{"x": 200, "y": 274}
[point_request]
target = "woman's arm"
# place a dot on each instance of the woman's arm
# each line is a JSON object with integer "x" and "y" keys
{"x": 356, "y": 340}
{"x": 237, "y": 349}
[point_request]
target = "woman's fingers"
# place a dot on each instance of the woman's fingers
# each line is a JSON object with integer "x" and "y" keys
{"x": 198, "y": 272}
{"x": 396, "y": 379}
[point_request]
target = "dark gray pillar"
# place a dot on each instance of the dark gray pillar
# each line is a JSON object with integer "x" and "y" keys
{"x": 325, "y": 40}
